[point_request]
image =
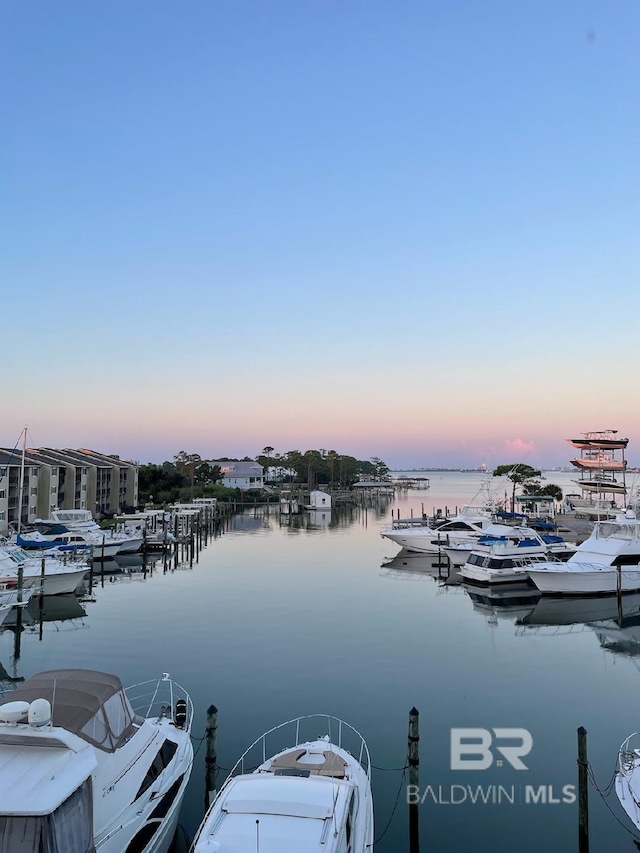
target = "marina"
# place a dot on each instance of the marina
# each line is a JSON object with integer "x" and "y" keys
{"x": 365, "y": 646}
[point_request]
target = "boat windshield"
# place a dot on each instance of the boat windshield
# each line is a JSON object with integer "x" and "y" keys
{"x": 68, "y": 830}
{"x": 620, "y": 530}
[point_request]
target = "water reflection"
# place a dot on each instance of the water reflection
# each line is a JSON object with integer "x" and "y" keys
{"x": 516, "y": 601}
{"x": 410, "y": 565}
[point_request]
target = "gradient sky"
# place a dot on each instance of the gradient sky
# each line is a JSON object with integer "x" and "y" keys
{"x": 400, "y": 228}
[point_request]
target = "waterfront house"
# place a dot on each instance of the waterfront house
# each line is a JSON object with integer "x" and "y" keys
{"x": 243, "y": 475}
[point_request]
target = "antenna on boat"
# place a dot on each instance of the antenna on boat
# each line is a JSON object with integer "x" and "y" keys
{"x": 257, "y": 836}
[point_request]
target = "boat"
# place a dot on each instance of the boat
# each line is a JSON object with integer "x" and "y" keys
{"x": 426, "y": 538}
{"x": 627, "y": 777}
{"x": 602, "y": 485}
{"x": 81, "y": 521}
{"x": 47, "y": 574}
{"x": 600, "y": 439}
{"x": 598, "y": 462}
{"x": 503, "y": 554}
{"x": 605, "y": 563}
{"x": 86, "y": 765}
{"x": 312, "y": 795}
{"x": 55, "y": 539}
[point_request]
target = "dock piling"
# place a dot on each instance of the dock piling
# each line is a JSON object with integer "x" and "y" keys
{"x": 413, "y": 761}
{"x": 211, "y": 759}
{"x": 583, "y": 792}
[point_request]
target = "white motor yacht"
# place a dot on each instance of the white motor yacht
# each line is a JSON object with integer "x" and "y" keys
{"x": 81, "y": 772}
{"x": 627, "y": 778}
{"x": 415, "y": 535}
{"x": 503, "y": 554}
{"x": 56, "y": 540}
{"x": 81, "y": 521}
{"x": 58, "y": 576}
{"x": 310, "y": 796}
{"x": 607, "y": 562}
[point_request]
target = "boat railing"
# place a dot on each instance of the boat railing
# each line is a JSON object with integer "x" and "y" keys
{"x": 629, "y": 755}
{"x": 340, "y": 734}
{"x": 158, "y": 698}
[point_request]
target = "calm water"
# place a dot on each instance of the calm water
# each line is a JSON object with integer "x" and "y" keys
{"x": 283, "y": 617}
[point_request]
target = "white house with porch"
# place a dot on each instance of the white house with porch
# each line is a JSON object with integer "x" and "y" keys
{"x": 242, "y": 475}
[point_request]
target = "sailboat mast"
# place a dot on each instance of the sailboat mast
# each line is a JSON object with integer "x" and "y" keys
{"x": 21, "y": 485}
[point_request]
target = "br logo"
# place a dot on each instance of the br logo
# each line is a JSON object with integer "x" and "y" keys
{"x": 473, "y": 749}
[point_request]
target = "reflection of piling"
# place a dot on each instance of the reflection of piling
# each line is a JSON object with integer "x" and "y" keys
{"x": 414, "y": 779}
{"x": 211, "y": 759}
{"x": 583, "y": 792}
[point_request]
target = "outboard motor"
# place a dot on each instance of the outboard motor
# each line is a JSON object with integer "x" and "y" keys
{"x": 180, "y": 718}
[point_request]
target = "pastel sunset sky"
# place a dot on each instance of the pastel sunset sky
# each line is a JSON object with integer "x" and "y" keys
{"x": 401, "y": 228}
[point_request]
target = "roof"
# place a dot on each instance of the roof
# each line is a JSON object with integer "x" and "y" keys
{"x": 78, "y": 698}
{"x": 241, "y": 469}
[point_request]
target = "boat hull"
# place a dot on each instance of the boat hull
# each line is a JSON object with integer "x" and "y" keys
{"x": 602, "y": 581}
{"x": 479, "y": 576}
{"x": 58, "y": 583}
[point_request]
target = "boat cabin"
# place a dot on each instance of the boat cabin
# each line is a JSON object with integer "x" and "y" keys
{"x": 48, "y": 727}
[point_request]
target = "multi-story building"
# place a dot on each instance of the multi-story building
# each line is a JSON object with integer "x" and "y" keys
{"x": 64, "y": 479}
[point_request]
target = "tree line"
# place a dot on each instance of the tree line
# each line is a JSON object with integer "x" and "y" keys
{"x": 189, "y": 476}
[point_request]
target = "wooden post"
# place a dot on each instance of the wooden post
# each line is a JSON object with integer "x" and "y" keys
{"x": 211, "y": 759}
{"x": 41, "y": 602}
{"x": 20, "y": 582}
{"x": 619, "y": 594}
{"x": 414, "y": 779}
{"x": 583, "y": 792}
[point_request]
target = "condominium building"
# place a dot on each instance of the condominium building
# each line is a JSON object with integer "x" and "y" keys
{"x": 63, "y": 479}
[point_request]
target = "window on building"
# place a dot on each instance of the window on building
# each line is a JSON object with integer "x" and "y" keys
{"x": 3, "y": 494}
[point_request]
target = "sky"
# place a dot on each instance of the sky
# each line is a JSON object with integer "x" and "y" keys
{"x": 396, "y": 228}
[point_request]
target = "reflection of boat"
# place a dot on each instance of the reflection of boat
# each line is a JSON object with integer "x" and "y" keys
{"x": 85, "y": 765}
{"x": 512, "y": 601}
{"x": 609, "y": 559}
{"x": 570, "y": 611}
{"x": 10, "y": 598}
{"x": 311, "y": 795}
{"x": 410, "y": 561}
{"x": 409, "y": 565}
{"x": 619, "y": 638}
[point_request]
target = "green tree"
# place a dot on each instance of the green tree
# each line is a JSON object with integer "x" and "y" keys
{"x": 380, "y": 469}
{"x": 550, "y": 489}
{"x": 520, "y": 475}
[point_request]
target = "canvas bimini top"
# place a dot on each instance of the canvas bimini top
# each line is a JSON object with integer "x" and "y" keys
{"x": 90, "y": 704}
